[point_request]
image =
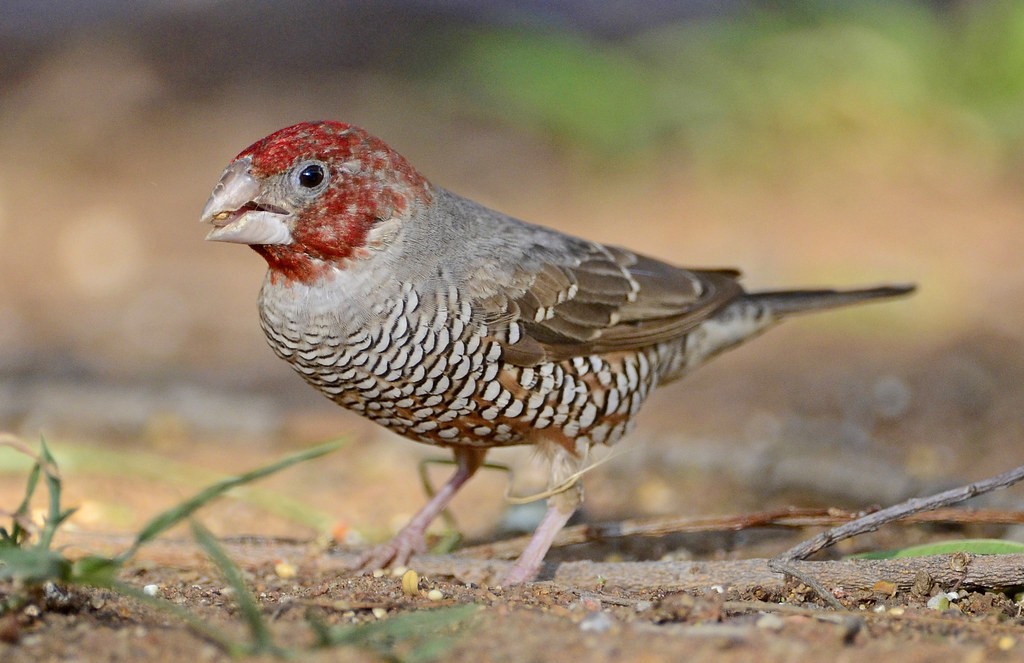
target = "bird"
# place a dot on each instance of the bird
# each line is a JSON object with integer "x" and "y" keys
{"x": 461, "y": 327}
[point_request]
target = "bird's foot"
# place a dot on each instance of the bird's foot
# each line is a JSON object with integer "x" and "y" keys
{"x": 395, "y": 552}
{"x": 520, "y": 572}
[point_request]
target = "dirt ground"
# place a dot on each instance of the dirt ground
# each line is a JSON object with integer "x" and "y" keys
{"x": 593, "y": 620}
{"x": 135, "y": 349}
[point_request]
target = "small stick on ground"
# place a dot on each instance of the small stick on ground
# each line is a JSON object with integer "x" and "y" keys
{"x": 779, "y": 519}
{"x": 661, "y": 526}
{"x": 784, "y": 563}
{"x": 873, "y": 521}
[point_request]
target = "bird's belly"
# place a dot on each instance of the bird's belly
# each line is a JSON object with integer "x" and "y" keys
{"x": 435, "y": 376}
{"x": 429, "y": 397}
{"x": 420, "y": 380}
{"x": 465, "y": 395}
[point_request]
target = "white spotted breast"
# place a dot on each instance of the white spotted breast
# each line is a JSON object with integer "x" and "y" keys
{"x": 425, "y": 367}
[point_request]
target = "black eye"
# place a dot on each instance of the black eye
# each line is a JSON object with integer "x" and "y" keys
{"x": 311, "y": 176}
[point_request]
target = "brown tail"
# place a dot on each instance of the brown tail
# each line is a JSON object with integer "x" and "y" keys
{"x": 789, "y": 302}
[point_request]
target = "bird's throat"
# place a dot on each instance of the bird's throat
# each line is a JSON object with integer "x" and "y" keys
{"x": 288, "y": 265}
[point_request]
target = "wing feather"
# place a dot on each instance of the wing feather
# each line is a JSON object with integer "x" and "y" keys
{"x": 603, "y": 299}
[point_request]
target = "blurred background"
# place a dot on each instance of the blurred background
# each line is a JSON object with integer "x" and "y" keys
{"x": 809, "y": 143}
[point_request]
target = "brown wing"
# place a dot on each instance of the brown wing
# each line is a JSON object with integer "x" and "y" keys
{"x": 605, "y": 299}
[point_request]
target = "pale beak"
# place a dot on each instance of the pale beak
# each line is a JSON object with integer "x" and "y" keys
{"x": 238, "y": 215}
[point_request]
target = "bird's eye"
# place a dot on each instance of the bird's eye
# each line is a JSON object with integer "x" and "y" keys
{"x": 311, "y": 176}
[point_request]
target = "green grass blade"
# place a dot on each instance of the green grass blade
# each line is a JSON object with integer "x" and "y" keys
{"x": 182, "y": 511}
{"x": 18, "y": 533}
{"x": 54, "y": 516}
{"x": 95, "y": 571}
{"x": 33, "y": 566}
{"x": 973, "y": 546}
{"x": 262, "y": 642}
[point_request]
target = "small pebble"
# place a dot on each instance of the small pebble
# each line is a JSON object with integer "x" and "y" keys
{"x": 150, "y": 590}
{"x": 885, "y": 587}
{"x": 596, "y": 622}
{"x": 643, "y": 606}
{"x": 378, "y": 573}
{"x": 399, "y": 571}
{"x": 435, "y": 595}
{"x": 770, "y": 622}
{"x": 285, "y": 570}
{"x": 54, "y": 595}
{"x": 411, "y": 583}
{"x": 379, "y": 613}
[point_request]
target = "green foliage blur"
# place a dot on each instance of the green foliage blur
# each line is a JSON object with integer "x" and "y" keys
{"x": 798, "y": 80}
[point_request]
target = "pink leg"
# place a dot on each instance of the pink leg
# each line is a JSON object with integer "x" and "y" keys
{"x": 410, "y": 539}
{"x": 560, "y": 509}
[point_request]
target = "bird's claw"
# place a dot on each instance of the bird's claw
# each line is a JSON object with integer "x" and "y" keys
{"x": 395, "y": 552}
{"x": 517, "y": 575}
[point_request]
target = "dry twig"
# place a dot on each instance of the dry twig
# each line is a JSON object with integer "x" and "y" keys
{"x": 786, "y": 562}
{"x": 783, "y": 518}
